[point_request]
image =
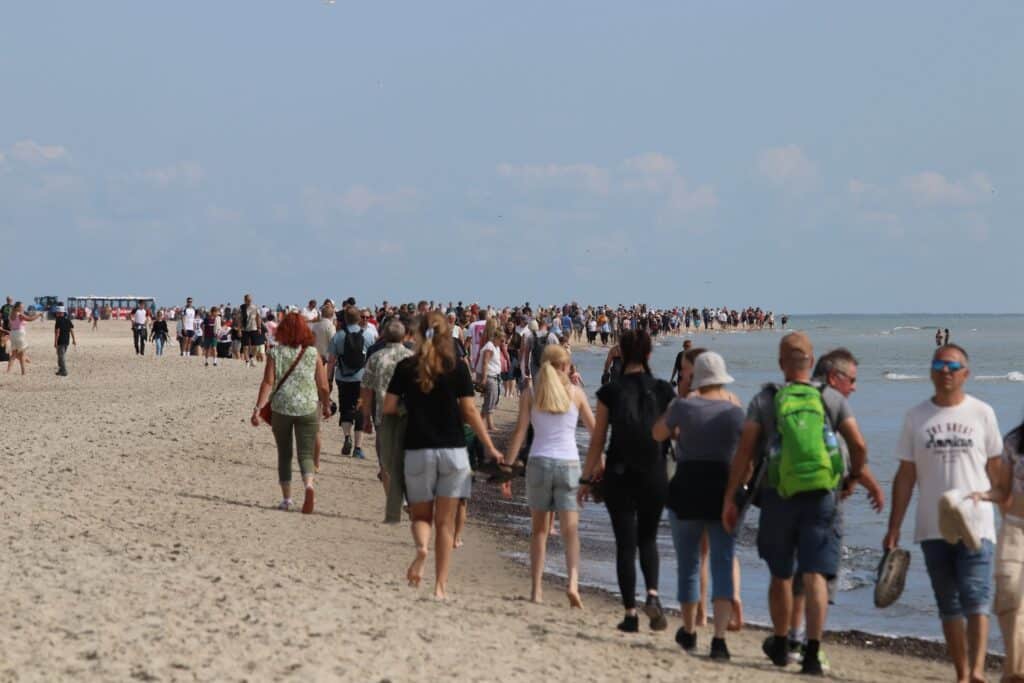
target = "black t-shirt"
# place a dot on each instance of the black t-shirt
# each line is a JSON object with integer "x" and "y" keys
{"x": 435, "y": 420}
{"x": 622, "y": 450}
{"x": 63, "y": 326}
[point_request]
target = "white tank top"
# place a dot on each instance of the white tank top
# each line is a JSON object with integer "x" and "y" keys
{"x": 554, "y": 434}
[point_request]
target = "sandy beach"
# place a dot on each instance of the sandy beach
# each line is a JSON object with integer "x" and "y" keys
{"x": 142, "y": 542}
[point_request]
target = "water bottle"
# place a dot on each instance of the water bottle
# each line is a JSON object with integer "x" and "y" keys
{"x": 832, "y": 446}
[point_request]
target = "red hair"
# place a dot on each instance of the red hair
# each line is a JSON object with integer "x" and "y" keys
{"x": 293, "y": 331}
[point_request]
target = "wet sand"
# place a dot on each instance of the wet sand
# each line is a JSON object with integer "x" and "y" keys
{"x": 142, "y": 543}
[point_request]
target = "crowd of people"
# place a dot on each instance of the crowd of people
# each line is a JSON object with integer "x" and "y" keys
{"x": 408, "y": 376}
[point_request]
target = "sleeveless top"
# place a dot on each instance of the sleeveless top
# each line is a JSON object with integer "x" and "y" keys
{"x": 298, "y": 396}
{"x": 1014, "y": 459}
{"x": 554, "y": 434}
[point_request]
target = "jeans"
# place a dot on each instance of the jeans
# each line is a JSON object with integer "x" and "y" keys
{"x": 686, "y": 535}
{"x": 961, "y": 579}
{"x": 159, "y": 342}
{"x": 139, "y": 337}
{"x": 62, "y": 367}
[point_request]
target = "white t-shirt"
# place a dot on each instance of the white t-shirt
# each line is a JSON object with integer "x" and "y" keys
{"x": 190, "y": 318}
{"x": 139, "y": 316}
{"x": 494, "y": 364}
{"x": 950, "y": 447}
{"x": 310, "y": 314}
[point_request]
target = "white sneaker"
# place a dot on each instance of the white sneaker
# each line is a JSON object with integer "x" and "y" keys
{"x": 958, "y": 519}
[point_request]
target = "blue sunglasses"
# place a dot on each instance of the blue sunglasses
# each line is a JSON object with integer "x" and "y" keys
{"x": 951, "y": 365}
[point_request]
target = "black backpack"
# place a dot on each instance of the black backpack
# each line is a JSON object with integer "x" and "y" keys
{"x": 640, "y": 403}
{"x": 537, "y": 351}
{"x": 353, "y": 353}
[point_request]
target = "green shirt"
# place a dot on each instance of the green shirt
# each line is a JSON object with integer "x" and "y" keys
{"x": 298, "y": 396}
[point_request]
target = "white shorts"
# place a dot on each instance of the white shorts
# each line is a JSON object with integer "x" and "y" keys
{"x": 19, "y": 342}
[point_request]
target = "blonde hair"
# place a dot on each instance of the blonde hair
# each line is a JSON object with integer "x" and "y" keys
{"x": 436, "y": 353}
{"x": 551, "y": 390}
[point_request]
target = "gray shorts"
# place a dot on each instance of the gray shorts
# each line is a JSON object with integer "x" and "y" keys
{"x": 551, "y": 484}
{"x": 491, "y": 393}
{"x": 437, "y": 473}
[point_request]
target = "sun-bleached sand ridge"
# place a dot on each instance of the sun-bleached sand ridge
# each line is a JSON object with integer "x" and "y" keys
{"x": 141, "y": 542}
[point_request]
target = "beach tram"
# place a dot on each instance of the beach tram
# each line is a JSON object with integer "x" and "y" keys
{"x": 47, "y": 305}
{"x": 110, "y": 307}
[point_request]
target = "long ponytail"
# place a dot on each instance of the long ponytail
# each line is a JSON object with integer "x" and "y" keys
{"x": 436, "y": 353}
{"x": 551, "y": 391}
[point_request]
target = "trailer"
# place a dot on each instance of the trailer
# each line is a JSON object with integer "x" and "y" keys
{"x": 108, "y": 307}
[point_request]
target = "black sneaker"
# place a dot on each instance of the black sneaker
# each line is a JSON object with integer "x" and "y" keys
{"x": 687, "y": 641}
{"x": 777, "y": 650}
{"x": 812, "y": 666}
{"x": 630, "y": 624}
{"x": 346, "y": 449}
{"x": 654, "y": 612}
{"x": 719, "y": 650}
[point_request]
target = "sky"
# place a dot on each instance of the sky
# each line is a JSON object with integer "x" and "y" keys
{"x": 798, "y": 156}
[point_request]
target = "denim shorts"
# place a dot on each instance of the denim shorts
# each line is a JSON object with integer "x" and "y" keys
{"x": 961, "y": 579}
{"x": 803, "y": 530}
{"x": 551, "y": 484}
{"x": 437, "y": 473}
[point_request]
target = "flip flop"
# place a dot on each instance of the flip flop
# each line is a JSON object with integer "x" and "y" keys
{"x": 308, "y": 501}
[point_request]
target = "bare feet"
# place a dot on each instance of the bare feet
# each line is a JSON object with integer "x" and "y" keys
{"x": 440, "y": 593}
{"x": 537, "y": 597}
{"x": 457, "y": 542}
{"x": 574, "y": 599}
{"x": 415, "y": 573}
{"x": 736, "y": 620}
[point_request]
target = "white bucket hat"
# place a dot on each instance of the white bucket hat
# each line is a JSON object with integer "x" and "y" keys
{"x": 709, "y": 370}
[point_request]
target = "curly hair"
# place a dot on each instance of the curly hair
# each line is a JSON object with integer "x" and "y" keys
{"x": 293, "y": 331}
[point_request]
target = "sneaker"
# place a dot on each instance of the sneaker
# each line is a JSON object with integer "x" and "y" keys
{"x": 777, "y": 650}
{"x": 796, "y": 650}
{"x": 719, "y": 650}
{"x": 285, "y": 505}
{"x": 347, "y": 446}
{"x": 822, "y": 659}
{"x": 308, "y": 501}
{"x": 812, "y": 666}
{"x": 630, "y": 624}
{"x": 653, "y": 610}
{"x": 687, "y": 641}
{"x": 358, "y": 453}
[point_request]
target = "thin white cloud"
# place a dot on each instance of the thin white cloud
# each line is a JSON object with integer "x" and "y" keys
{"x": 658, "y": 174}
{"x": 181, "y": 174}
{"x": 933, "y": 188}
{"x": 32, "y": 152}
{"x": 583, "y": 176}
{"x": 788, "y": 168}
{"x": 359, "y": 199}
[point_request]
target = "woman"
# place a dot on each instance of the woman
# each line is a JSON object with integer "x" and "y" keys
{"x": 553, "y": 406}
{"x": 1008, "y": 491}
{"x": 293, "y": 401}
{"x": 612, "y": 365}
{"x": 633, "y": 479}
{"x": 489, "y": 375}
{"x": 19, "y": 339}
{"x": 270, "y": 324}
{"x": 508, "y": 362}
{"x": 437, "y": 392}
{"x": 159, "y": 333}
{"x": 707, "y": 429}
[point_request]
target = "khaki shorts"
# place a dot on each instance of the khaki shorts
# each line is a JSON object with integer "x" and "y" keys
{"x": 1009, "y": 575}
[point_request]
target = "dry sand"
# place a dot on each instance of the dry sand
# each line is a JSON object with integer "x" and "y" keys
{"x": 141, "y": 542}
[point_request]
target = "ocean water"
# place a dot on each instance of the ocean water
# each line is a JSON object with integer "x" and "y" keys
{"x": 894, "y": 352}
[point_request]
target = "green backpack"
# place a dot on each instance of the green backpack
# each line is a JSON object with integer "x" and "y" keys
{"x": 805, "y": 459}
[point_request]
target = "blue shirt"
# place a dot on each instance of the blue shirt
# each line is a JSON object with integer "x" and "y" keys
{"x": 337, "y": 346}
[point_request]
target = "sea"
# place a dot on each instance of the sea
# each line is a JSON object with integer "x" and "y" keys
{"x": 894, "y": 353}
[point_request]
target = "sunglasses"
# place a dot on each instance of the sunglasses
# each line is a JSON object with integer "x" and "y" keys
{"x": 951, "y": 365}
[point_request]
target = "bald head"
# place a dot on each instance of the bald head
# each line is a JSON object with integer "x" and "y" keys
{"x": 796, "y": 356}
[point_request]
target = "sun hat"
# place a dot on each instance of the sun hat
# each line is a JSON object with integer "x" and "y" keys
{"x": 892, "y": 576}
{"x": 958, "y": 519}
{"x": 709, "y": 370}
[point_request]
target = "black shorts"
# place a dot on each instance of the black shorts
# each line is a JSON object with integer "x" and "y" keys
{"x": 250, "y": 338}
{"x": 189, "y": 334}
{"x": 348, "y": 399}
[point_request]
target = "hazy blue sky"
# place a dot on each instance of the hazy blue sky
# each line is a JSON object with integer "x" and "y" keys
{"x": 802, "y": 156}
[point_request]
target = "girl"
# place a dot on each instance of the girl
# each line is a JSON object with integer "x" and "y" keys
{"x": 19, "y": 340}
{"x": 159, "y": 333}
{"x": 554, "y": 406}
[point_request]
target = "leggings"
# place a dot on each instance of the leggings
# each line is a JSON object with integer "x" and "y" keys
{"x": 635, "y": 502}
{"x": 305, "y": 428}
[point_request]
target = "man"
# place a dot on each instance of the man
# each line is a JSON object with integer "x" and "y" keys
{"x": 323, "y": 332}
{"x": 188, "y": 320}
{"x": 63, "y": 332}
{"x": 311, "y": 313}
{"x": 951, "y": 442}
{"x": 677, "y": 367}
{"x": 380, "y": 366}
{"x": 535, "y": 345}
{"x": 347, "y": 362}
{"x": 251, "y": 323}
{"x": 139, "y": 318}
{"x": 837, "y": 369}
{"x": 5, "y": 313}
{"x": 798, "y": 525}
